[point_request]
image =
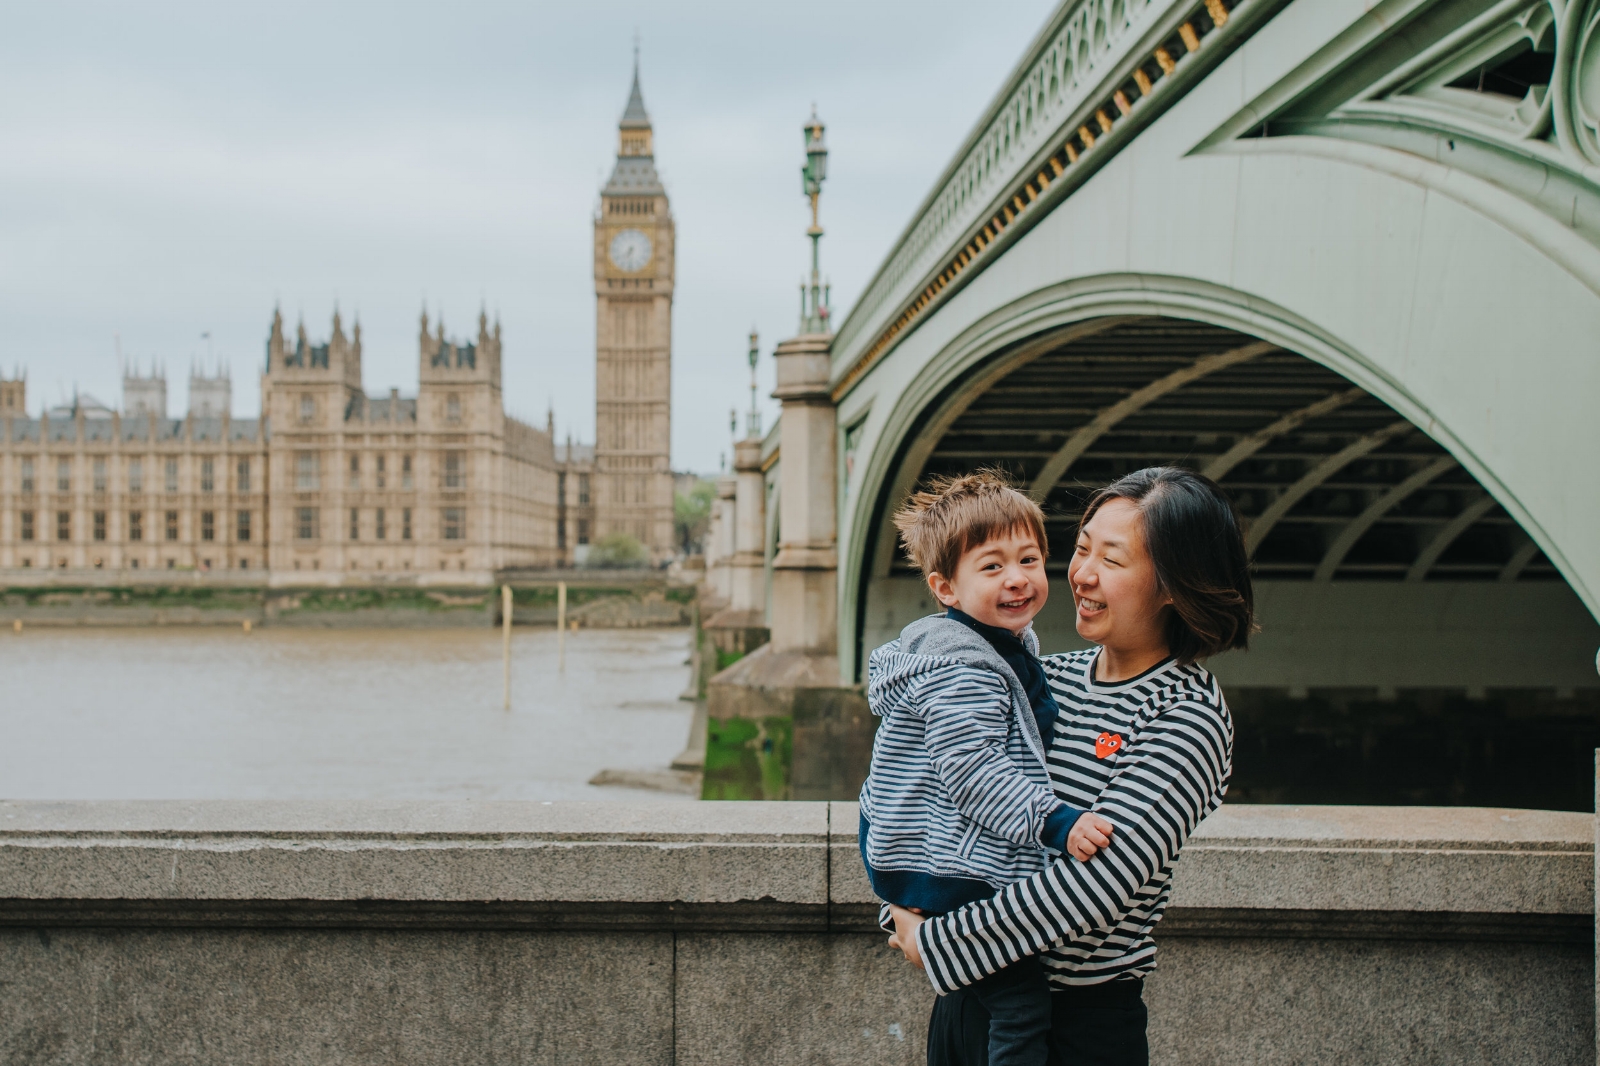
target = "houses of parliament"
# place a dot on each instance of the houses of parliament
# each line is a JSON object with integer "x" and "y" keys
{"x": 330, "y": 484}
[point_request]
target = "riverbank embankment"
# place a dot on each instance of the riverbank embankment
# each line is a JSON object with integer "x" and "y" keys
{"x": 595, "y": 600}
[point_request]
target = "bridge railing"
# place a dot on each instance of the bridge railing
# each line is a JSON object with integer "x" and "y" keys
{"x": 1098, "y": 71}
{"x": 743, "y": 932}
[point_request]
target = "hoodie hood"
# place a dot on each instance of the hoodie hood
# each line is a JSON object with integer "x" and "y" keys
{"x": 934, "y": 643}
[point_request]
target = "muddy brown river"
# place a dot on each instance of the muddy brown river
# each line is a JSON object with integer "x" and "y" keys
{"x": 210, "y": 713}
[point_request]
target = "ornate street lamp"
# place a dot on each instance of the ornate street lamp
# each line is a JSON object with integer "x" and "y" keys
{"x": 814, "y": 312}
{"x": 755, "y": 415}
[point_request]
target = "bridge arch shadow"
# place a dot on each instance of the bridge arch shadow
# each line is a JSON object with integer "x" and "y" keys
{"x": 1413, "y": 623}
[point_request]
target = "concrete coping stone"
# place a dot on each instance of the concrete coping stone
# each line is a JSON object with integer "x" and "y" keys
{"x": 600, "y": 822}
{"x": 1234, "y": 825}
{"x": 1245, "y": 857}
{"x": 1242, "y": 825}
{"x": 1430, "y": 828}
{"x": 1255, "y": 825}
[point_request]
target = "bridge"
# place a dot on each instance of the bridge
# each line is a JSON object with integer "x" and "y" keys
{"x": 1343, "y": 257}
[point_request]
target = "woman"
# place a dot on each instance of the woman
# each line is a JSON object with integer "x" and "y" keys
{"x": 1159, "y": 579}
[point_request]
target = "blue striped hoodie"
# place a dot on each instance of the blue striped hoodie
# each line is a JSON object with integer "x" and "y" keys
{"x": 957, "y": 801}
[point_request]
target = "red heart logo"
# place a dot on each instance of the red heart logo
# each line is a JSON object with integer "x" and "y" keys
{"x": 1107, "y": 744}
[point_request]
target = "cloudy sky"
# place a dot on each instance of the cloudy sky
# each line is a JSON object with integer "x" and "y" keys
{"x": 169, "y": 170}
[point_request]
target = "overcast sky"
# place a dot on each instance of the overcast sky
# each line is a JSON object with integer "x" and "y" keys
{"x": 169, "y": 170}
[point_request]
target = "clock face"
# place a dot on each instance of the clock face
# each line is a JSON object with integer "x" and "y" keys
{"x": 630, "y": 250}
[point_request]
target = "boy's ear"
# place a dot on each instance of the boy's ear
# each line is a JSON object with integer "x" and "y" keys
{"x": 942, "y": 590}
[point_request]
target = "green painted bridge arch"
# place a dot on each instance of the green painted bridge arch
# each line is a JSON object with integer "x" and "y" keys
{"x": 1343, "y": 256}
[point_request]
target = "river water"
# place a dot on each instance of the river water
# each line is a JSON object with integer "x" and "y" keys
{"x": 210, "y": 713}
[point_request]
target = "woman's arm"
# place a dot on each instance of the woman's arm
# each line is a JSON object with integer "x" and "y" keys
{"x": 1163, "y": 786}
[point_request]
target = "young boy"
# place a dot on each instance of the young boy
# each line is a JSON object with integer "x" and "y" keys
{"x": 958, "y": 802}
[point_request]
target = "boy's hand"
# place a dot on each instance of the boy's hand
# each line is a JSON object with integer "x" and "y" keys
{"x": 1089, "y": 834}
{"x": 905, "y": 933}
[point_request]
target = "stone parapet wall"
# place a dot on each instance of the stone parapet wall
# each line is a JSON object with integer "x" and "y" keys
{"x": 734, "y": 933}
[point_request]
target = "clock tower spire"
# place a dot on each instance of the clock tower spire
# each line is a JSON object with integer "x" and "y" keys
{"x": 633, "y": 278}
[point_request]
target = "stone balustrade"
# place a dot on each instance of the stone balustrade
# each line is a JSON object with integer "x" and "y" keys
{"x": 742, "y": 933}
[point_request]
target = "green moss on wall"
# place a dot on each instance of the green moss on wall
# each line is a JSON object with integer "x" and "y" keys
{"x": 400, "y": 599}
{"x": 748, "y": 759}
{"x": 577, "y": 595}
{"x": 156, "y": 596}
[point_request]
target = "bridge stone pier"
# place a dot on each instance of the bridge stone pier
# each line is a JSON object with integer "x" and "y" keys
{"x": 1341, "y": 256}
{"x": 782, "y": 724}
{"x": 735, "y": 623}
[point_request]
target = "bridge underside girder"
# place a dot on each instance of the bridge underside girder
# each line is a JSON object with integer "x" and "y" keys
{"x": 1025, "y": 419}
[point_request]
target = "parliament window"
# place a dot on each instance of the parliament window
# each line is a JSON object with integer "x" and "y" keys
{"x": 242, "y": 475}
{"x": 583, "y": 491}
{"x": 452, "y": 408}
{"x": 405, "y": 471}
{"x": 378, "y": 529}
{"x": 308, "y": 407}
{"x": 135, "y": 525}
{"x": 63, "y": 525}
{"x": 63, "y": 475}
{"x": 455, "y": 523}
{"x": 27, "y": 525}
{"x": 99, "y": 525}
{"x": 355, "y": 473}
{"x": 305, "y": 471}
{"x": 305, "y": 523}
{"x": 355, "y": 524}
{"x": 135, "y": 475}
{"x": 208, "y": 525}
{"x": 243, "y": 534}
{"x": 454, "y": 476}
{"x": 583, "y": 531}
{"x": 405, "y": 523}
{"x": 208, "y": 475}
{"x": 377, "y": 474}
{"x": 172, "y": 525}
{"x": 100, "y": 473}
{"x": 27, "y": 475}
{"x": 172, "y": 475}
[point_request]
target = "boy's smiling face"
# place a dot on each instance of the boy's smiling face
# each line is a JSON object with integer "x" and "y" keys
{"x": 1000, "y": 582}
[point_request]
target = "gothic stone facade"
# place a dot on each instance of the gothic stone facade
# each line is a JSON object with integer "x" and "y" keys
{"x": 329, "y": 485}
{"x": 85, "y": 487}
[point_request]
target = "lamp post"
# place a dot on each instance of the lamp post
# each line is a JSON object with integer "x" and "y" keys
{"x": 814, "y": 313}
{"x": 755, "y": 415}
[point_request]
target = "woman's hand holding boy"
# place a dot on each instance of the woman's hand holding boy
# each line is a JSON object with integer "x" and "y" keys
{"x": 904, "y": 939}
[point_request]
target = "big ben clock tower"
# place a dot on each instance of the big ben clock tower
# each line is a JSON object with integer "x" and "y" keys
{"x": 633, "y": 276}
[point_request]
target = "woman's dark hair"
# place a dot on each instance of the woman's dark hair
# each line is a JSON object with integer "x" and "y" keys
{"x": 1193, "y": 535}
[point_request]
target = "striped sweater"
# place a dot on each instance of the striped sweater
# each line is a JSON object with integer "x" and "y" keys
{"x": 958, "y": 785}
{"x": 1152, "y": 755}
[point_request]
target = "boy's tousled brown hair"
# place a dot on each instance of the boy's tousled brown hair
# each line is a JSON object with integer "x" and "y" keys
{"x": 952, "y": 515}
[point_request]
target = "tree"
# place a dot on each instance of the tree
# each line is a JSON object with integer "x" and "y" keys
{"x": 691, "y": 515}
{"x": 617, "y": 551}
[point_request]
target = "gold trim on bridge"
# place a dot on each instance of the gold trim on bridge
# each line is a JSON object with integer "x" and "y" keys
{"x": 1145, "y": 79}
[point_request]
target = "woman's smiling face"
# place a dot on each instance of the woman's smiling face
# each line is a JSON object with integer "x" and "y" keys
{"x": 1114, "y": 589}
